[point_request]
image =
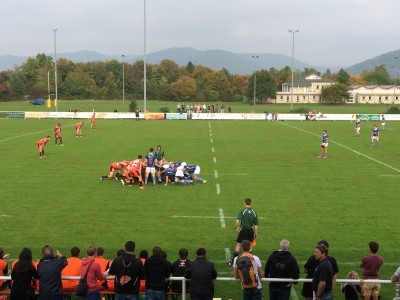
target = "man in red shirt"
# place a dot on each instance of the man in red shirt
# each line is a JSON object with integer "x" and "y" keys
{"x": 40, "y": 145}
{"x": 116, "y": 167}
{"x": 72, "y": 269}
{"x": 134, "y": 170}
{"x": 57, "y": 134}
{"x": 78, "y": 128}
{"x": 93, "y": 122}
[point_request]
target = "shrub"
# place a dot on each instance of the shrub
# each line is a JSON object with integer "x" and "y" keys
{"x": 164, "y": 110}
{"x": 393, "y": 110}
{"x": 132, "y": 106}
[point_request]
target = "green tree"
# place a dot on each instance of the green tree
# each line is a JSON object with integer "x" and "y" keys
{"x": 335, "y": 93}
{"x": 79, "y": 85}
{"x": 378, "y": 76}
{"x": 265, "y": 86}
{"x": 343, "y": 77}
{"x": 184, "y": 88}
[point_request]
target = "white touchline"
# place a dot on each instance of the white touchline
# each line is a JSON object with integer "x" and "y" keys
{"x": 199, "y": 217}
{"x": 18, "y": 136}
{"x": 352, "y": 150}
{"x": 218, "y": 189}
{"x": 221, "y": 217}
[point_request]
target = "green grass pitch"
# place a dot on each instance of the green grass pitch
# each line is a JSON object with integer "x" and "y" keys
{"x": 348, "y": 199}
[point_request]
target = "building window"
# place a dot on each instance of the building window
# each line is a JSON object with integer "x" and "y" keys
{"x": 363, "y": 98}
{"x": 304, "y": 97}
{"x": 386, "y": 98}
{"x": 369, "y": 98}
{"x": 380, "y": 98}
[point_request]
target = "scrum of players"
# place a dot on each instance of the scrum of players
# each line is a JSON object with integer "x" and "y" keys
{"x": 154, "y": 164}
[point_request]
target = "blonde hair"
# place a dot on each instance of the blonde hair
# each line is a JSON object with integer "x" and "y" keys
{"x": 352, "y": 275}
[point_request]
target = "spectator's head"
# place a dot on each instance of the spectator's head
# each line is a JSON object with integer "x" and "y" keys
{"x": 24, "y": 261}
{"x": 75, "y": 251}
{"x": 284, "y": 245}
{"x": 321, "y": 251}
{"x": 47, "y": 251}
{"x": 91, "y": 250}
{"x": 100, "y": 251}
{"x": 246, "y": 245}
{"x": 183, "y": 253}
{"x": 1, "y": 253}
{"x": 373, "y": 246}
{"x": 139, "y": 156}
{"x": 201, "y": 252}
{"x": 325, "y": 243}
{"x": 120, "y": 252}
{"x": 247, "y": 201}
{"x": 158, "y": 147}
{"x": 130, "y": 246}
{"x": 156, "y": 251}
{"x": 151, "y": 149}
{"x": 352, "y": 275}
{"x": 25, "y": 255}
{"x": 163, "y": 254}
{"x": 144, "y": 254}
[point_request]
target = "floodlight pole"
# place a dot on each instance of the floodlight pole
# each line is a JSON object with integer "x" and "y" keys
{"x": 292, "y": 31}
{"x": 395, "y": 78}
{"x": 55, "y": 66}
{"x": 144, "y": 59}
{"x": 123, "y": 78}
{"x": 255, "y": 79}
{"x": 48, "y": 83}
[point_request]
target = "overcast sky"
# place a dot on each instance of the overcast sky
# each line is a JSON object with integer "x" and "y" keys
{"x": 332, "y": 33}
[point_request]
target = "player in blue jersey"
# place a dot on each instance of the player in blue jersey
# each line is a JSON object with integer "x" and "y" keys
{"x": 194, "y": 172}
{"x": 375, "y": 136}
{"x": 323, "y": 152}
{"x": 169, "y": 173}
{"x": 150, "y": 167}
{"x": 358, "y": 128}
{"x": 383, "y": 120}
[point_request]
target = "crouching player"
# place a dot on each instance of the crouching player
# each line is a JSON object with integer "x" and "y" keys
{"x": 116, "y": 169}
{"x": 194, "y": 172}
{"x": 132, "y": 171}
{"x": 40, "y": 145}
{"x": 180, "y": 175}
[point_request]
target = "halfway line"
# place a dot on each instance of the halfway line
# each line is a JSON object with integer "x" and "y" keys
{"x": 221, "y": 217}
{"x": 352, "y": 150}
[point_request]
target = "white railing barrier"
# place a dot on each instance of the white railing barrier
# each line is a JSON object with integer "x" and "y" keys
{"x": 234, "y": 279}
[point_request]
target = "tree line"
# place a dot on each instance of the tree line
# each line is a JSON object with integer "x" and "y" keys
{"x": 165, "y": 81}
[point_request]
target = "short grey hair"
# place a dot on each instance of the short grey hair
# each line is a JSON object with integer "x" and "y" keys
{"x": 284, "y": 245}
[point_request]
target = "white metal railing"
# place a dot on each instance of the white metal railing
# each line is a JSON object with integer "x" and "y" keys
{"x": 234, "y": 279}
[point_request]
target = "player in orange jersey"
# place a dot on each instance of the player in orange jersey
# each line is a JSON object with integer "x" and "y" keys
{"x": 132, "y": 171}
{"x": 116, "y": 167}
{"x": 78, "y": 128}
{"x": 57, "y": 135}
{"x": 93, "y": 122}
{"x": 40, "y": 145}
{"x": 72, "y": 269}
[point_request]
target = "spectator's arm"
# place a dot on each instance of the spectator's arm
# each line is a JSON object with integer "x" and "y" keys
{"x": 394, "y": 278}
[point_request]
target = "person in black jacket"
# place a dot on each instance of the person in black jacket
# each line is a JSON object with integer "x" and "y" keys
{"x": 201, "y": 273}
{"x": 157, "y": 272}
{"x": 281, "y": 264}
{"x": 128, "y": 271}
{"x": 179, "y": 268}
{"x": 49, "y": 271}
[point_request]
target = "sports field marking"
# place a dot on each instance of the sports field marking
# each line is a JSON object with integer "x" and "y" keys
{"x": 4, "y": 216}
{"x": 390, "y": 175}
{"x": 238, "y": 174}
{"x": 215, "y": 159}
{"x": 210, "y": 134}
{"x": 212, "y": 149}
{"x": 348, "y": 148}
{"x": 221, "y": 217}
{"x": 216, "y": 174}
{"x": 294, "y": 294}
{"x": 218, "y": 189}
{"x": 22, "y": 135}
{"x": 200, "y": 217}
{"x": 227, "y": 254}
{"x": 211, "y": 141}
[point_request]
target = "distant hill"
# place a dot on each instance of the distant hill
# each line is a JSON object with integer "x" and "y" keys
{"x": 237, "y": 63}
{"x": 388, "y": 59}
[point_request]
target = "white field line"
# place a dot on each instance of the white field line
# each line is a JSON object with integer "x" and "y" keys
{"x": 390, "y": 175}
{"x": 227, "y": 254}
{"x": 348, "y": 263}
{"x": 200, "y": 217}
{"x": 210, "y": 134}
{"x": 294, "y": 294}
{"x": 4, "y": 216}
{"x": 239, "y": 174}
{"x": 211, "y": 141}
{"x": 212, "y": 149}
{"x": 216, "y": 174}
{"x": 215, "y": 159}
{"x": 221, "y": 217}
{"x": 218, "y": 189}
{"x": 22, "y": 135}
{"x": 348, "y": 148}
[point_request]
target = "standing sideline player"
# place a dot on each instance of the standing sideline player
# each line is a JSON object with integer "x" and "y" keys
{"x": 57, "y": 134}
{"x": 375, "y": 136}
{"x": 40, "y": 145}
{"x": 78, "y": 128}
{"x": 324, "y": 145}
{"x": 93, "y": 122}
{"x": 358, "y": 128}
{"x": 159, "y": 154}
{"x": 383, "y": 120}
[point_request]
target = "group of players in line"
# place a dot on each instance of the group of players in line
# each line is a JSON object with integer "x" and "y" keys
{"x": 375, "y": 129}
{"x": 154, "y": 164}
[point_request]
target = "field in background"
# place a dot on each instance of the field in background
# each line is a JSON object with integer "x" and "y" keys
{"x": 156, "y": 106}
{"x": 348, "y": 199}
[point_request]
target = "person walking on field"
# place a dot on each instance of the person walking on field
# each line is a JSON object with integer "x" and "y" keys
{"x": 246, "y": 225}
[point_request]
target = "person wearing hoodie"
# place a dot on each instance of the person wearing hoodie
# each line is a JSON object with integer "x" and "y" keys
{"x": 281, "y": 264}
{"x": 93, "y": 275}
{"x": 157, "y": 272}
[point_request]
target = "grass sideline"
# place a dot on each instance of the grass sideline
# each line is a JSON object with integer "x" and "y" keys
{"x": 348, "y": 199}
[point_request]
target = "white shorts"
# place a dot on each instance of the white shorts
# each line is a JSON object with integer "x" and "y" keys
{"x": 383, "y": 123}
{"x": 150, "y": 169}
{"x": 197, "y": 171}
{"x": 179, "y": 173}
{"x": 324, "y": 145}
{"x": 375, "y": 138}
{"x": 358, "y": 129}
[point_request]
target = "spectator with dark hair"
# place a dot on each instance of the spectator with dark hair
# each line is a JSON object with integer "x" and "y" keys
{"x": 310, "y": 267}
{"x": 128, "y": 271}
{"x": 110, "y": 282}
{"x": 3, "y": 268}
{"x": 201, "y": 273}
{"x": 104, "y": 265}
{"x": 281, "y": 264}
{"x": 94, "y": 273}
{"x": 323, "y": 279}
{"x": 178, "y": 269}
{"x": 157, "y": 273}
{"x": 49, "y": 271}
{"x": 72, "y": 269}
{"x": 143, "y": 255}
{"x": 22, "y": 275}
{"x": 370, "y": 265}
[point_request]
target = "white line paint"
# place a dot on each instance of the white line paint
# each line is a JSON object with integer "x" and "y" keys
{"x": 221, "y": 217}
{"x": 4, "y": 216}
{"x": 357, "y": 263}
{"x": 209, "y": 124}
{"x": 216, "y": 174}
{"x": 348, "y": 148}
{"x": 218, "y": 189}
{"x": 215, "y": 159}
{"x": 200, "y": 217}
{"x": 390, "y": 175}
{"x": 227, "y": 255}
{"x": 239, "y": 174}
{"x": 22, "y": 135}
{"x": 294, "y": 294}
{"x": 212, "y": 150}
{"x": 211, "y": 141}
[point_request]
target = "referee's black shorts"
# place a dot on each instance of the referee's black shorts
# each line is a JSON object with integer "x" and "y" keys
{"x": 245, "y": 234}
